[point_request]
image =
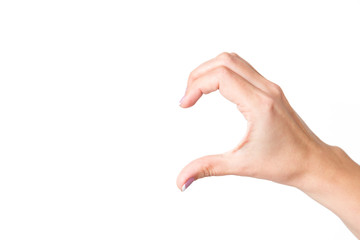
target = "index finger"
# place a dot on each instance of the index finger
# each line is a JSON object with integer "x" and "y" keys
{"x": 232, "y": 86}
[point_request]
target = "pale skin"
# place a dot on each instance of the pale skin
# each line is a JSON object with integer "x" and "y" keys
{"x": 278, "y": 146}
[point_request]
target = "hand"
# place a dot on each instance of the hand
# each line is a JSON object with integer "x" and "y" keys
{"x": 277, "y": 146}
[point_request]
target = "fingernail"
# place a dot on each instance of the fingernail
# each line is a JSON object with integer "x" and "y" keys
{"x": 182, "y": 99}
{"x": 187, "y": 184}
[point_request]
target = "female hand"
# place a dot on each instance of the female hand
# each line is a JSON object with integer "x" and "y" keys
{"x": 277, "y": 146}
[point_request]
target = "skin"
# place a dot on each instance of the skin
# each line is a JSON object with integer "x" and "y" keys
{"x": 278, "y": 146}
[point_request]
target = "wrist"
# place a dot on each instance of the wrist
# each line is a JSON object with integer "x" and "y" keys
{"x": 333, "y": 180}
{"x": 328, "y": 167}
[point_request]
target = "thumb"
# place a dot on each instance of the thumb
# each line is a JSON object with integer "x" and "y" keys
{"x": 211, "y": 165}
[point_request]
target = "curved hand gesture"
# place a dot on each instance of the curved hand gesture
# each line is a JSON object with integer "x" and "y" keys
{"x": 277, "y": 142}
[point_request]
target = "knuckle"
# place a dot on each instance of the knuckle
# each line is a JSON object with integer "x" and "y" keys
{"x": 208, "y": 171}
{"x": 276, "y": 90}
{"x": 337, "y": 150}
{"x": 235, "y": 54}
{"x": 225, "y": 57}
{"x": 191, "y": 76}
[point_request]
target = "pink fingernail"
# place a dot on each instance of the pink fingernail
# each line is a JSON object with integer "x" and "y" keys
{"x": 182, "y": 99}
{"x": 187, "y": 184}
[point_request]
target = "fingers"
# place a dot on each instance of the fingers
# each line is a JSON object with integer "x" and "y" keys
{"x": 231, "y": 85}
{"x": 212, "y": 165}
{"x": 241, "y": 84}
{"x": 236, "y": 64}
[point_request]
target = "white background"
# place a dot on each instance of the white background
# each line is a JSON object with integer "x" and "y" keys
{"x": 92, "y": 137}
